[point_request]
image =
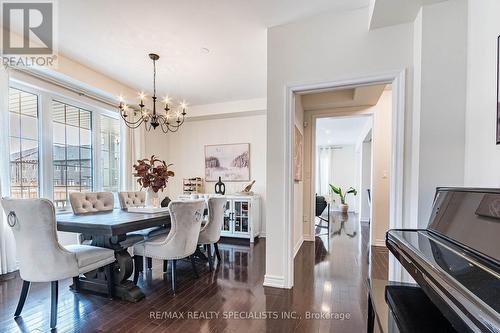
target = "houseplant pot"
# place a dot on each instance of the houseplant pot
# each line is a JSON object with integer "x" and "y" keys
{"x": 344, "y": 208}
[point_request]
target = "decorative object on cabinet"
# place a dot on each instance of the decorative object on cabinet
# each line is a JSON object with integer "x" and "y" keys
{"x": 297, "y": 155}
{"x": 247, "y": 189}
{"x": 220, "y": 187}
{"x": 242, "y": 217}
{"x": 192, "y": 185}
{"x": 152, "y": 174}
{"x": 231, "y": 162}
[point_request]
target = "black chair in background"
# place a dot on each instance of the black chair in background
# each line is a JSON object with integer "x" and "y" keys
{"x": 321, "y": 204}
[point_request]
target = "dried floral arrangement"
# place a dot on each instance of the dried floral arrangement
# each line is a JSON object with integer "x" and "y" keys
{"x": 152, "y": 173}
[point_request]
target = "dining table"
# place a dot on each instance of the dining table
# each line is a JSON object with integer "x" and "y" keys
{"x": 109, "y": 230}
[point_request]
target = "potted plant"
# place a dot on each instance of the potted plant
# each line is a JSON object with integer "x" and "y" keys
{"x": 152, "y": 174}
{"x": 344, "y": 207}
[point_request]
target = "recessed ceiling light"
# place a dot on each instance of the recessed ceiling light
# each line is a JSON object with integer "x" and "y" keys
{"x": 205, "y": 50}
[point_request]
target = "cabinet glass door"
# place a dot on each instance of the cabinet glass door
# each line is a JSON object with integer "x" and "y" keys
{"x": 241, "y": 216}
{"x": 226, "y": 226}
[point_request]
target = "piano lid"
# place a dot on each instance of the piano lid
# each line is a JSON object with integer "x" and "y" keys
{"x": 478, "y": 276}
{"x": 470, "y": 217}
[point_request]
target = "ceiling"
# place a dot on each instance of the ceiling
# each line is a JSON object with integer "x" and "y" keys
{"x": 352, "y": 97}
{"x": 340, "y": 131}
{"x": 115, "y": 36}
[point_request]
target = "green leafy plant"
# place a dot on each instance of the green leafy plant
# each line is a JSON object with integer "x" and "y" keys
{"x": 342, "y": 194}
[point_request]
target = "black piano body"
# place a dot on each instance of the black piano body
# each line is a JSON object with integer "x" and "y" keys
{"x": 456, "y": 259}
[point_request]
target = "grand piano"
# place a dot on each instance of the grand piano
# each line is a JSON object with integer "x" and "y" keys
{"x": 455, "y": 262}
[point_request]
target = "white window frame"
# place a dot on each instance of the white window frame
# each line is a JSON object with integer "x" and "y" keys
{"x": 46, "y": 94}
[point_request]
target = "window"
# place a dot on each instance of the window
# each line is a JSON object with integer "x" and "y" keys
{"x": 110, "y": 153}
{"x": 72, "y": 151}
{"x": 23, "y": 117}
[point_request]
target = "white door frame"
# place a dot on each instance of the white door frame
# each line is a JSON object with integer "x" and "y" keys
{"x": 398, "y": 80}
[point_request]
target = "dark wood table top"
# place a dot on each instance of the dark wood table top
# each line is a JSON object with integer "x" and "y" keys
{"x": 113, "y": 223}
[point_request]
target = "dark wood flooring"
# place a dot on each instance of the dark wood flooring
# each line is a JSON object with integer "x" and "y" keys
{"x": 330, "y": 278}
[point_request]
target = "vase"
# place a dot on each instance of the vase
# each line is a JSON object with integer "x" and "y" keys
{"x": 150, "y": 195}
{"x": 220, "y": 187}
{"x": 344, "y": 208}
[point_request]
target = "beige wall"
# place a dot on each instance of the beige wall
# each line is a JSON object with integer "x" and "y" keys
{"x": 185, "y": 149}
{"x": 298, "y": 186}
{"x": 381, "y": 165}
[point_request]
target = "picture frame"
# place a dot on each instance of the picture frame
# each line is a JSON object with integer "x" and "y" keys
{"x": 230, "y": 162}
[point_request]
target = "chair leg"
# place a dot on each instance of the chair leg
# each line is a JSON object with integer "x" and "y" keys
{"x": 165, "y": 266}
{"x": 149, "y": 263}
{"x": 210, "y": 258}
{"x": 174, "y": 264}
{"x": 193, "y": 263}
{"x": 22, "y": 298}
{"x": 53, "y": 307}
{"x": 76, "y": 284}
{"x": 217, "y": 253}
{"x": 138, "y": 267}
{"x": 109, "y": 277}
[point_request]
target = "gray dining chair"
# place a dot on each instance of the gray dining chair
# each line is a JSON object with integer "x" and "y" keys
{"x": 42, "y": 258}
{"x": 210, "y": 232}
{"x": 138, "y": 199}
{"x": 179, "y": 243}
{"x": 95, "y": 202}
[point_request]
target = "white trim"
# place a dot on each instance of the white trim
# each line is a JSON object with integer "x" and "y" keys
{"x": 274, "y": 281}
{"x": 298, "y": 246}
{"x": 379, "y": 242}
{"x": 397, "y": 79}
{"x": 309, "y": 238}
{"x": 262, "y": 235}
{"x": 364, "y": 220}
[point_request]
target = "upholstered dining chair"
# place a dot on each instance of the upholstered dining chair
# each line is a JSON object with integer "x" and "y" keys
{"x": 94, "y": 202}
{"x": 210, "y": 233}
{"x": 138, "y": 199}
{"x": 42, "y": 258}
{"x": 179, "y": 243}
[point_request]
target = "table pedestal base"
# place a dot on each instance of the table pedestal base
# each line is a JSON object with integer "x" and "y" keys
{"x": 96, "y": 280}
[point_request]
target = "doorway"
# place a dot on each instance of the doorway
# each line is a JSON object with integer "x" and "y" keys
{"x": 396, "y": 130}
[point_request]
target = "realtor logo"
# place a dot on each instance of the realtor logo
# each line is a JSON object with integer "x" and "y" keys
{"x": 28, "y": 33}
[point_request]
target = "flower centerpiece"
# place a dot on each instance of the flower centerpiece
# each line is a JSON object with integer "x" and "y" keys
{"x": 152, "y": 174}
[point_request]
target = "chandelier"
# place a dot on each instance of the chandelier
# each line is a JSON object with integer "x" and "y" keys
{"x": 168, "y": 121}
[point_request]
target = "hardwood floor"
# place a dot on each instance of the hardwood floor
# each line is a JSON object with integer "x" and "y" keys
{"x": 330, "y": 277}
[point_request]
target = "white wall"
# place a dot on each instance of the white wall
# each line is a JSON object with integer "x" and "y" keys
{"x": 442, "y": 93}
{"x": 482, "y": 155}
{"x": 344, "y": 173}
{"x": 324, "y": 48}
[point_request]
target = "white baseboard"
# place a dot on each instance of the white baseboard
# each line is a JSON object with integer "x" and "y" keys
{"x": 364, "y": 220}
{"x": 297, "y": 246}
{"x": 379, "y": 242}
{"x": 274, "y": 281}
{"x": 262, "y": 235}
